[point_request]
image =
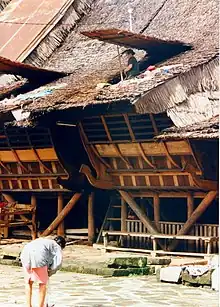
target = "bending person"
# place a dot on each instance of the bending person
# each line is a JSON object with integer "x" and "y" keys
{"x": 40, "y": 259}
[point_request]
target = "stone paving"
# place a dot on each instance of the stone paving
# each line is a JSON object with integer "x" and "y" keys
{"x": 78, "y": 290}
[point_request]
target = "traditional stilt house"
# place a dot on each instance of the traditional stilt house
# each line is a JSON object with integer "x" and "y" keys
{"x": 157, "y": 180}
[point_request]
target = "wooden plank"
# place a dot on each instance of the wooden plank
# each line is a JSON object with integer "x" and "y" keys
{"x": 163, "y": 194}
{"x": 159, "y": 236}
{"x": 76, "y": 231}
{"x": 150, "y": 148}
{"x": 27, "y": 155}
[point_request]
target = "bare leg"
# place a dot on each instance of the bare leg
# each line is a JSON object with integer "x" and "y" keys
{"x": 42, "y": 294}
{"x": 28, "y": 287}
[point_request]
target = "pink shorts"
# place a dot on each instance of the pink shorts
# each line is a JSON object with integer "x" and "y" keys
{"x": 39, "y": 275}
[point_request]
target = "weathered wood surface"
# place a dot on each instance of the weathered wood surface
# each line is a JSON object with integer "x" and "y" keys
{"x": 62, "y": 214}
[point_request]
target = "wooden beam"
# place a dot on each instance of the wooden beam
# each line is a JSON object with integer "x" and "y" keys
{"x": 205, "y": 203}
{"x": 157, "y": 212}
{"x": 137, "y": 210}
{"x": 62, "y": 214}
{"x": 60, "y": 229}
{"x": 91, "y": 220}
{"x": 97, "y": 183}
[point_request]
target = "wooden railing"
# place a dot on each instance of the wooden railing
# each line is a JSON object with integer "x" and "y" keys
{"x": 172, "y": 228}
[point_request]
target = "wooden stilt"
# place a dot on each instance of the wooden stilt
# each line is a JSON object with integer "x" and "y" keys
{"x": 91, "y": 221}
{"x": 190, "y": 208}
{"x": 123, "y": 219}
{"x": 195, "y": 215}
{"x": 137, "y": 210}
{"x": 190, "y": 205}
{"x": 62, "y": 214}
{"x": 60, "y": 229}
{"x": 157, "y": 212}
{"x": 33, "y": 219}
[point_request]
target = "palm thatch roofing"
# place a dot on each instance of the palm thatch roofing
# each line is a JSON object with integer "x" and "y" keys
{"x": 204, "y": 130}
{"x": 194, "y": 22}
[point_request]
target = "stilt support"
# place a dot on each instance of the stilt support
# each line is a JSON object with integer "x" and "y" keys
{"x": 91, "y": 220}
{"x": 60, "y": 229}
{"x": 62, "y": 215}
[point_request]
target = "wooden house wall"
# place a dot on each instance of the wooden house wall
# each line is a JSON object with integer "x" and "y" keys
{"x": 124, "y": 144}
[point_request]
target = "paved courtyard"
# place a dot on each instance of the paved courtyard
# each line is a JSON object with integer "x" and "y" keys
{"x": 78, "y": 290}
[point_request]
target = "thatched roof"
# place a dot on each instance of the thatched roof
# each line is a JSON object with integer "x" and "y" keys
{"x": 3, "y": 4}
{"x": 193, "y": 22}
{"x": 204, "y": 130}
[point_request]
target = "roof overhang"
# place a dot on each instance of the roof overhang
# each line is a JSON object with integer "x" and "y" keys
{"x": 30, "y": 72}
{"x": 133, "y": 40}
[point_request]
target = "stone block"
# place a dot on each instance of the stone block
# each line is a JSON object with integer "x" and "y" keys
{"x": 204, "y": 279}
{"x": 127, "y": 262}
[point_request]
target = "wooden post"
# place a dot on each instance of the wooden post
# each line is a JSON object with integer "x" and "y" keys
{"x": 196, "y": 215}
{"x": 137, "y": 210}
{"x": 190, "y": 208}
{"x": 62, "y": 214}
{"x": 91, "y": 221}
{"x": 157, "y": 212}
{"x": 190, "y": 205}
{"x": 60, "y": 229}
{"x": 33, "y": 219}
{"x": 123, "y": 219}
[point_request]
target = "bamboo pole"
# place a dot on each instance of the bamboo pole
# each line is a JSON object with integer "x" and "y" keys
{"x": 157, "y": 212}
{"x": 62, "y": 214}
{"x": 120, "y": 65}
{"x": 60, "y": 229}
{"x": 33, "y": 219}
{"x": 91, "y": 221}
{"x": 195, "y": 215}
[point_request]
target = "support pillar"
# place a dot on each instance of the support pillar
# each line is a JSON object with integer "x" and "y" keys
{"x": 91, "y": 220}
{"x": 33, "y": 219}
{"x": 157, "y": 212}
{"x": 123, "y": 219}
{"x": 190, "y": 205}
{"x": 60, "y": 229}
{"x": 190, "y": 208}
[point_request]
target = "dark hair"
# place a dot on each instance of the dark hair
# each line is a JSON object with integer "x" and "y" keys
{"x": 129, "y": 51}
{"x": 60, "y": 241}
